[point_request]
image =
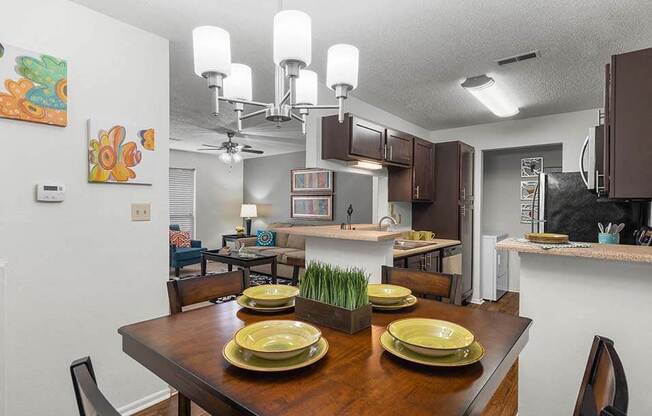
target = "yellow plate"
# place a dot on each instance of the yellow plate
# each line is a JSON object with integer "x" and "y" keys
{"x": 245, "y": 302}
{"x": 277, "y": 339}
{"x": 382, "y": 294}
{"x": 547, "y": 238}
{"x": 466, "y": 356}
{"x": 431, "y": 337}
{"x": 244, "y": 359}
{"x": 271, "y": 295}
{"x": 405, "y": 303}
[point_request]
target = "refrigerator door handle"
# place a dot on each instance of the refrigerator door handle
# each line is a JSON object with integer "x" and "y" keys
{"x": 581, "y": 162}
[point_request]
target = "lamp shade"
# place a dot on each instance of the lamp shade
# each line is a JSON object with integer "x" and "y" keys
{"x": 485, "y": 90}
{"x": 292, "y": 37}
{"x": 248, "y": 211}
{"x": 306, "y": 88}
{"x": 212, "y": 50}
{"x": 342, "y": 66}
{"x": 238, "y": 84}
{"x": 226, "y": 158}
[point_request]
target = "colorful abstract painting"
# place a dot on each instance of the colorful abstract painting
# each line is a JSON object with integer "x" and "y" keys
{"x": 526, "y": 213}
{"x": 34, "y": 86}
{"x": 312, "y": 180}
{"x": 528, "y": 189}
{"x": 312, "y": 207}
{"x": 118, "y": 153}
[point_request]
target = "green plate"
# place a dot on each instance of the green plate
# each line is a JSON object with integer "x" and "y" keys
{"x": 405, "y": 303}
{"x": 430, "y": 336}
{"x": 245, "y": 302}
{"x": 382, "y": 294}
{"x": 277, "y": 339}
{"x": 244, "y": 359}
{"x": 271, "y": 295}
{"x": 465, "y": 356}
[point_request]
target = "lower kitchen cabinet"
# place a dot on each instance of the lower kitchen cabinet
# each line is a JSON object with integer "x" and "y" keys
{"x": 425, "y": 262}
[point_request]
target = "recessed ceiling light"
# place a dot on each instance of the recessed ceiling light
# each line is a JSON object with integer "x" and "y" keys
{"x": 485, "y": 90}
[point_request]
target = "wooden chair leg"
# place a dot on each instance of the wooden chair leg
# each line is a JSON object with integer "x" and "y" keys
{"x": 184, "y": 405}
{"x": 177, "y": 271}
{"x": 295, "y": 275}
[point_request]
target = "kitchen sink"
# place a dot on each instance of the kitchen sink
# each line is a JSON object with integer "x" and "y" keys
{"x": 410, "y": 244}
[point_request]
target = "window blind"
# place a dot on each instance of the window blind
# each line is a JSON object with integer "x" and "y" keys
{"x": 182, "y": 198}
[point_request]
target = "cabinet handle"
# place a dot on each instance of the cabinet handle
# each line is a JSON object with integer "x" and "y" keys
{"x": 463, "y": 210}
{"x": 463, "y": 194}
{"x": 384, "y": 151}
{"x": 417, "y": 192}
{"x": 391, "y": 152}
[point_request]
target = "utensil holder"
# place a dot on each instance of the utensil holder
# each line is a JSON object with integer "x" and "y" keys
{"x": 342, "y": 319}
{"x": 608, "y": 238}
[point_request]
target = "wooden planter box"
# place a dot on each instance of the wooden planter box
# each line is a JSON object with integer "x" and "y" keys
{"x": 350, "y": 321}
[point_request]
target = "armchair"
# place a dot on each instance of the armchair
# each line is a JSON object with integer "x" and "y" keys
{"x": 184, "y": 256}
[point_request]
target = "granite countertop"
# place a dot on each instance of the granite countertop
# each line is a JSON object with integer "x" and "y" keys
{"x": 361, "y": 232}
{"x": 615, "y": 252}
{"x": 437, "y": 244}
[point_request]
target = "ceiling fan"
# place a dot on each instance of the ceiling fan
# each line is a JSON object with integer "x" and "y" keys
{"x": 231, "y": 149}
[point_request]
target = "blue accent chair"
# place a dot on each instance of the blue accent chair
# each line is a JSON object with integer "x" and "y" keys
{"x": 184, "y": 256}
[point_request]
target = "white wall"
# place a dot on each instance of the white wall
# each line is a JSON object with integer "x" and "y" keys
{"x": 569, "y": 129}
{"x": 218, "y": 190}
{"x": 371, "y": 113}
{"x": 80, "y": 269}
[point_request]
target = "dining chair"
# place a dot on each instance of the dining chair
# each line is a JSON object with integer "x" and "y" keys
{"x": 426, "y": 284}
{"x": 194, "y": 290}
{"x": 90, "y": 399}
{"x": 603, "y": 391}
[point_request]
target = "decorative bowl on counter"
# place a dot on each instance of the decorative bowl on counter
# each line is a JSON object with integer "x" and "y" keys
{"x": 382, "y": 294}
{"x": 547, "y": 238}
{"x": 431, "y": 337}
{"x": 277, "y": 339}
{"x": 271, "y": 295}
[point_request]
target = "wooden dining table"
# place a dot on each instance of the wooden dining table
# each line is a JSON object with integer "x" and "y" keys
{"x": 356, "y": 377}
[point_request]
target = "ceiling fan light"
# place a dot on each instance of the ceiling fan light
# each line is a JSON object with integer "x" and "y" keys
{"x": 485, "y": 90}
{"x": 292, "y": 37}
{"x": 212, "y": 50}
{"x": 238, "y": 85}
{"x": 236, "y": 157}
{"x": 306, "y": 88}
{"x": 226, "y": 158}
{"x": 342, "y": 66}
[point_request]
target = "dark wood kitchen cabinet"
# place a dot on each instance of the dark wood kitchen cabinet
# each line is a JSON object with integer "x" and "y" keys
{"x": 415, "y": 184}
{"x": 628, "y": 126}
{"x": 425, "y": 262}
{"x": 367, "y": 139}
{"x": 398, "y": 147}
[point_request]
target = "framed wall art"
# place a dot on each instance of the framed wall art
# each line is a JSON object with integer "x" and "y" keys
{"x": 528, "y": 188}
{"x": 531, "y": 167}
{"x": 311, "y": 207}
{"x": 312, "y": 180}
{"x": 33, "y": 86}
{"x": 527, "y": 215}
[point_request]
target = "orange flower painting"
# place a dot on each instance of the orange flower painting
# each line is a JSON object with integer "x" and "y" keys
{"x": 34, "y": 87}
{"x": 119, "y": 154}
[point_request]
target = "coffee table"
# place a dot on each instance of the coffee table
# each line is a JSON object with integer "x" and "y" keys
{"x": 234, "y": 259}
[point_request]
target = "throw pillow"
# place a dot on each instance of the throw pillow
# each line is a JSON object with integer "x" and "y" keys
{"x": 180, "y": 239}
{"x": 265, "y": 238}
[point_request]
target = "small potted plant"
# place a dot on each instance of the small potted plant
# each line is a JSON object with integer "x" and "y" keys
{"x": 335, "y": 297}
{"x": 239, "y": 230}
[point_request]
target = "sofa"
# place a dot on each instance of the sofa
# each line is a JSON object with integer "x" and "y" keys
{"x": 184, "y": 256}
{"x": 286, "y": 245}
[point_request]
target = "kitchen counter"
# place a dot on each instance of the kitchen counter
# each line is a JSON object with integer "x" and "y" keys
{"x": 615, "y": 252}
{"x": 437, "y": 244}
{"x": 362, "y": 232}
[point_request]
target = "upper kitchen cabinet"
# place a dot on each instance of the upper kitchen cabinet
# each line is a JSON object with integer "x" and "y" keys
{"x": 359, "y": 139}
{"x": 628, "y": 126}
{"x": 415, "y": 184}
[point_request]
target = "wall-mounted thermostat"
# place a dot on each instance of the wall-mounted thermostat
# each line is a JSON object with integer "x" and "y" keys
{"x": 50, "y": 193}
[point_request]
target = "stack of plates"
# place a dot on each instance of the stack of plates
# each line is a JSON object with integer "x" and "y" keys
{"x": 268, "y": 298}
{"x": 390, "y": 297}
{"x": 432, "y": 342}
{"x": 271, "y": 346}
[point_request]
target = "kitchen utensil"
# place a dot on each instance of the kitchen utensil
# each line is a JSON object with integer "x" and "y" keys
{"x": 608, "y": 229}
{"x": 243, "y": 359}
{"x": 271, "y": 295}
{"x": 277, "y": 339}
{"x": 601, "y": 227}
{"x": 466, "y": 356}
{"x": 430, "y": 337}
{"x": 382, "y": 294}
{"x": 620, "y": 227}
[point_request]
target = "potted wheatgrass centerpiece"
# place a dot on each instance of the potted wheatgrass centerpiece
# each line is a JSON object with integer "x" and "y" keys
{"x": 335, "y": 297}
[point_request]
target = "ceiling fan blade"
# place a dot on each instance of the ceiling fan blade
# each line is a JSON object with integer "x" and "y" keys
{"x": 246, "y": 146}
{"x": 212, "y": 145}
{"x": 258, "y": 152}
{"x": 212, "y": 150}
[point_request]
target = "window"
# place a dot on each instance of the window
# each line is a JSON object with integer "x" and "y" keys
{"x": 182, "y": 198}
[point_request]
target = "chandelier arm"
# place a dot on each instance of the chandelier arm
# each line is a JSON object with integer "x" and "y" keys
{"x": 296, "y": 117}
{"x": 287, "y": 95}
{"x": 315, "y": 107}
{"x": 253, "y": 114}
{"x": 237, "y": 101}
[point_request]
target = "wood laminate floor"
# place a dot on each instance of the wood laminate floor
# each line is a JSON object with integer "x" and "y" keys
{"x": 504, "y": 402}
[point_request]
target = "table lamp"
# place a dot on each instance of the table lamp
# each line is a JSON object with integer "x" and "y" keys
{"x": 248, "y": 211}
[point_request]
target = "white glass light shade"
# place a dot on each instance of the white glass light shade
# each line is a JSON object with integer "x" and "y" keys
{"x": 248, "y": 211}
{"x": 485, "y": 90}
{"x": 342, "y": 67}
{"x": 292, "y": 37}
{"x": 236, "y": 157}
{"x": 306, "y": 88}
{"x": 212, "y": 50}
{"x": 226, "y": 157}
{"x": 238, "y": 84}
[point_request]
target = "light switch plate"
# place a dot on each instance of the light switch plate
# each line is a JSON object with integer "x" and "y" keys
{"x": 140, "y": 212}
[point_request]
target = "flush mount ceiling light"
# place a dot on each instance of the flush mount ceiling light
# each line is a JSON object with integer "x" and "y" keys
{"x": 232, "y": 82}
{"x": 485, "y": 90}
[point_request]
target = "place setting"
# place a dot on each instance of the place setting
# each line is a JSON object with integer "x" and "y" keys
{"x": 268, "y": 298}
{"x": 385, "y": 297}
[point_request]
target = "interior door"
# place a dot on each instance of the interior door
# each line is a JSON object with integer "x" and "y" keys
{"x": 367, "y": 139}
{"x": 423, "y": 171}
{"x": 399, "y": 147}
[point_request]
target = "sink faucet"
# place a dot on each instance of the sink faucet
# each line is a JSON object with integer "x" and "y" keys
{"x": 386, "y": 217}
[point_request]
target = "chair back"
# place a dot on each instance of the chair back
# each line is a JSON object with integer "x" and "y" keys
{"x": 440, "y": 285}
{"x": 192, "y": 290}
{"x": 90, "y": 400}
{"x": 603, "y": 391}
{"x": 175, "y": 227}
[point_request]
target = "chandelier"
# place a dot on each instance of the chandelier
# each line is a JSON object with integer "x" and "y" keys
{"x": 232, "y": 83}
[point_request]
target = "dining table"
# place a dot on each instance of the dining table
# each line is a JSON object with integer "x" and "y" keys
{"x": 356, "y": 377}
